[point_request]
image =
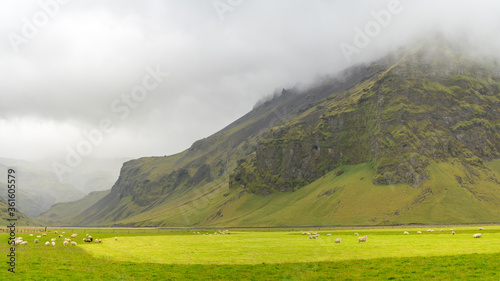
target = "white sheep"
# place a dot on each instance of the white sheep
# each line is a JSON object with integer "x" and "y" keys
{"x": 74, "y": 235}
{"x": 47, "y": 243}
{"x": 481, "y": 228}
{"x": 65, "y": 243}
{"x": 337, "y": 240}
{"x": 44, "y": 234}
{"x": 419, "y": 232}
{"x": 453, "y": 232}
{"x": 116, "y": 238}
{"x": 74, "y": 243}
{"x": 39, "y": 236}
{"x": 53, "y": 243}
{"x": 31, "y": 234}
{"x": 362, "y": 239}
{"x": 356, "y": 234}
{"x": 477, "y": 235}
{"x": 406, "y": 233}
{"x": 36, "y": 241}
{"x": 61, "y": 236}
{"x": 53, "y": 240}
{"x": 329, "y": 234}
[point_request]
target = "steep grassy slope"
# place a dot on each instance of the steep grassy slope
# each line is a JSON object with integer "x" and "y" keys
{"x": 411, "y": 138}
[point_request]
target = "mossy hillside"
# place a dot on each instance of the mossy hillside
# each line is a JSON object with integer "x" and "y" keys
{"x": 398, "y": 118}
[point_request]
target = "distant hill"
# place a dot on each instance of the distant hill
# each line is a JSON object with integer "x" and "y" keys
{"x": 22, "y": 220}
{"x": 62, "y": 214}
{"x": 40, "y": 188}
{"x": 410, "y": 138}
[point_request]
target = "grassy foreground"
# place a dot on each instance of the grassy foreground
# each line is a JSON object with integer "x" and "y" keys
{"x": 250, "y": 255}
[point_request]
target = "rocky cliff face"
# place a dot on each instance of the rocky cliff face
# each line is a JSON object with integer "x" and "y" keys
{"x": 432, "y": 104}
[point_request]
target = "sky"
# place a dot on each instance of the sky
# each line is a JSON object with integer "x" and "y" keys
{"x": 133, "y": 78}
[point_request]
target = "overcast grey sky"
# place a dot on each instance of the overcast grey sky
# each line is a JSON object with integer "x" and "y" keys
{"x": 67, "y": 66}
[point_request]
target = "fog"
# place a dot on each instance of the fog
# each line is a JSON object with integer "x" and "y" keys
{"x": 141, "y": 78}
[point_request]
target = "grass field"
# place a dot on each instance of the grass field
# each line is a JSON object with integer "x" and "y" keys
{"x": 263, "y": 255}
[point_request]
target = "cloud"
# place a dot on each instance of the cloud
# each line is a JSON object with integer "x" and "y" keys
{"x": 66, "y": 77}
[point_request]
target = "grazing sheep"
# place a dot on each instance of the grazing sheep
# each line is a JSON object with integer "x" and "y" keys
{"x": 481, "y": 228}
{"x": 419, "y": 232}
{"x": 98, "y": 240}
{"x": 116, "y": 238}
{"x": 53, "y": 243}
{"x": 453, "y": 232}
{"x": 87, "y": 235}
{"x": 36, "y": 241}
{"x": 44, "y": 234}
{"x": 406, "y": 233}
{"x": 441, "y": 230}
{"x": 60, "y": 236}
{"x": 429, "y": 230}
{"x": 337, "y": 240}
{"x": 73, "y": 235}
{"x": 362, "y": 239}
{"x": 304, "y": 233}
{"x": 356, "y": 234}
{"x": 328, "y": 234}
{"x": 53, "y": 240}
{"x": 47, "y": 243}
{"x": 67, "y": 239}
{"x": 477, "y": 235}
{"x": 65, "y": 243}
{"x": 64, "y": 232}
{"x": 32, "y": 234}
{"x": 55, "y": 232}
{"x": 87, "y": 240}
{"x": 73, "y": 243}
{"x": 38, "y": 236}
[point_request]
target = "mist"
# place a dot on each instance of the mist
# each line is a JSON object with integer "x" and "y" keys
{"x": 154, "y": 76}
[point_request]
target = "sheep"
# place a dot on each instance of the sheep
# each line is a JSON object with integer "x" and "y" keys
{"x": 38, "y": 236}
{"x": 47, "y": 243}
{"x": 24, "y": 242}
{"x": 64, "y": 232}
{"x": 356, "y": 234}
{"x": 329, "y": 234}
{"x": 61, "y": 236}
{"x": 67, "y": 239}
{"x": 362, "y": 239}
{"x": 73, "y": 235}
{"x": 36, "y": 241}
{"x": 452, "y": 232}
{"x": 53, "y": 243}
{"x": 441, "y": 230}
{"x": 419, "y": 232}
{"x": 44, "y": 234}
{"x": 87, "y": 240}
{"x": 87, "y": 235}
{"x": 65, "y": 243}
{"x": 337, "y": 240}
{"x": 477, "y": 235}
{"x": 55, "y": 232}
{"x": 304, "y": 233}
{"x": 32, "y": 234}
{"x": 429, "y": 230}
{"x": 116, "y": 238}
{"x": 97, "y": 240}
{"x": 73, "y": 243}
{"x": 481, "y": 228}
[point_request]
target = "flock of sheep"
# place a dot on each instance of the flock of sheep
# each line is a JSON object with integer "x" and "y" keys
{"x": 220, "y": 232}
{"x": 315, "y": 235}
{"x": 66, "y": 242}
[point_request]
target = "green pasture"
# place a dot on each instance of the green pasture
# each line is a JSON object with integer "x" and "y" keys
{"x": 262, "y": 255}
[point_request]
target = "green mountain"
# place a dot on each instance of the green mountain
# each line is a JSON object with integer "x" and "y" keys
{"x": 63, "y": 213}
{"x": 22, "y": 220}
{"x": 410, "y": 138}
